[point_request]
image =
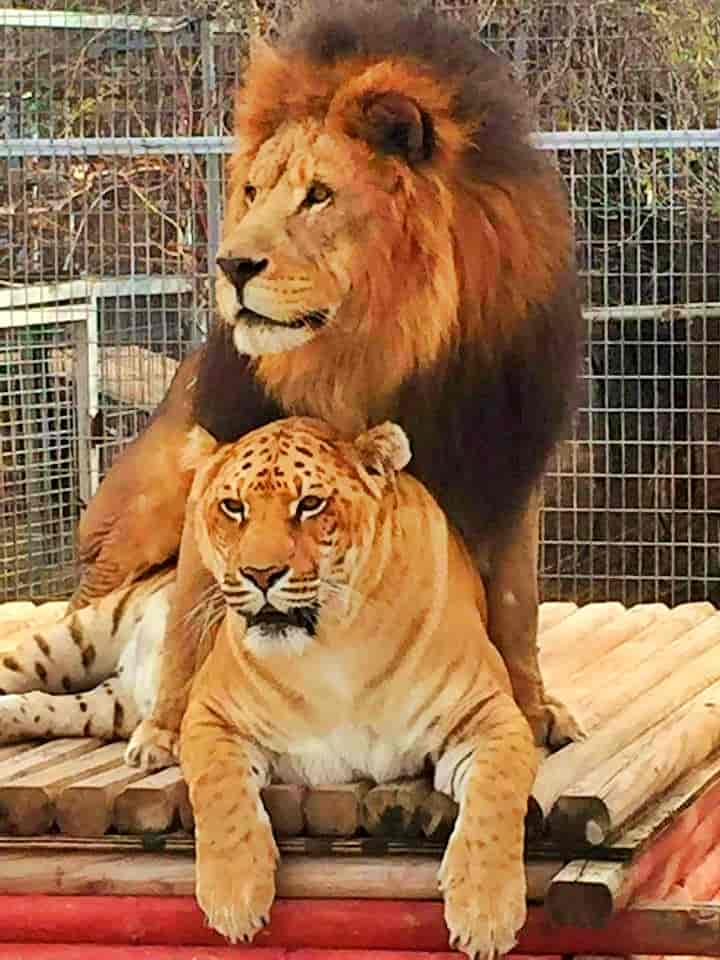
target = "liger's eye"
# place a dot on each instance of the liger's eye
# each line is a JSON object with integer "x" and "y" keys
{"x": 318, "y": 193}
{"x": 235, "y": 509}
{"x": 309, "y": 506}
{"x": 250, "y": 192}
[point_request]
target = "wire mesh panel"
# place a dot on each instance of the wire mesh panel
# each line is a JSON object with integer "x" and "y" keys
{"x": 39, "y": 473}
{"x": 115, "y": 116}
{"x": 633, "y": 506}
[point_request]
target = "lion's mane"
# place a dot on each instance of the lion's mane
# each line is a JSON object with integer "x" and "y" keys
{"x": 485, "y": 409}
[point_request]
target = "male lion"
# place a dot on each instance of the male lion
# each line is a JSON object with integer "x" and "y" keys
{"x": 393, "y": 248}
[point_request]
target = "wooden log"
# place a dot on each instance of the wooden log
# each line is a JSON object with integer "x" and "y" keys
{"x": 15, "y": 749}
{"x": 675, "y": 681}
{"x": 395, "y": 809}
{"x": 688, "y": 794}
{"x": 17, "y": 610}
{"x": 85, "y": 808}
{"x": 551, "y": 613}
{"x": 334, "y": 811}
{"x": 559, "y": 670}
{"x": 150, "y": 805}
{"x": 284, "y": 805}
{"x": 585, "y": 893}
{"x": 641, "y": 662}
{"x": 604, "y": 799}
{"x": 564, "y": 637}
{"x": 19, "y": 762}
{"x": 27, "y": 803}
{"x": 73, "y": 873}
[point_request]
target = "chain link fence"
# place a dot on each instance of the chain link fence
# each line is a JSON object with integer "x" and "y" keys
{"x": 114, "y": 125}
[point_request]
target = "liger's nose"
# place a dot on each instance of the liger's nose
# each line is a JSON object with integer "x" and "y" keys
{"x": 239, "y": 270}
{"x": 264, "y": 577}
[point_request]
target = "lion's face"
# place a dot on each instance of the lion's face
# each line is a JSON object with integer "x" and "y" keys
{"x": 303, "y": 207}
{"x": 280, "y": 519}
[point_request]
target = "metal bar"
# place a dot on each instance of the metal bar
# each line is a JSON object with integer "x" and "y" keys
{"x": 137, "y": 146}
{"x": 72, "y": 20}
{"x": 626, "y": 139}
{"x": 78, "y": 20}
{"x": 685, "y": 311}
{"x": 83, "y": 375}
{"x": 213, "y": 197}
{"x": 114, "y": 146}
{"x": 93, "y": 391}
{"x": 13, "y": 298}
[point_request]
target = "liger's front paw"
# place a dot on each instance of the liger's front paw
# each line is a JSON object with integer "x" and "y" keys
{"x": 484, "y": 894}
{"x": 151, "y": 747}
{"x": 235, "y": 885}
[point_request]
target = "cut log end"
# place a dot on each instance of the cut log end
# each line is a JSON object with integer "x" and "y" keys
{"x": 577, "y": 819}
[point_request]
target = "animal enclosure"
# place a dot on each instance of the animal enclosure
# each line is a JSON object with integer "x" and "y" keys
{"x": 116, "y": 122}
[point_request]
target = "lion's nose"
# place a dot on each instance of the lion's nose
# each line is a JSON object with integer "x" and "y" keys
{"x": 264, "y": 577}
{"x": 239, "y": 270}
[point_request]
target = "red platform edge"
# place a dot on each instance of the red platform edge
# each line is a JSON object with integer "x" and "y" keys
{"x": 333, "y": 928}
{"x": 70, "y": 951}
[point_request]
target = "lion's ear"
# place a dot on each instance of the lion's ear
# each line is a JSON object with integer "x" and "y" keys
{"x": 394, "y": 124}
{"x": 383, "y": 449}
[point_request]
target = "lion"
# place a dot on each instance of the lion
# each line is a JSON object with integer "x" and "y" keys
{"x": 352, "y": 645}
{"x": 393, "y": 248}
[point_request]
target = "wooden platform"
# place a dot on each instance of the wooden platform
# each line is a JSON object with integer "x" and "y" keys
{"x": 631, "y": 813}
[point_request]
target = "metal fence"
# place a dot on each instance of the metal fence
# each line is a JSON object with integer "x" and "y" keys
{"x": 114, "y": 125}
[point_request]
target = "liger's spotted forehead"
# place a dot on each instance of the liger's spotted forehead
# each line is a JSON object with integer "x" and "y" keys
{"x": 283, "y": 461}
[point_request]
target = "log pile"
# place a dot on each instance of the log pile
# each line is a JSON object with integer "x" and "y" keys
{"x": 632, "y": 812}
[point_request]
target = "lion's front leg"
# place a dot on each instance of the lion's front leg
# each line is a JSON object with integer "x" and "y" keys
{"x": 134, "y": 521}
{"x": 153, "y": 745}
{"x": 512, "y": 596}
{"x": 236, "y": 854}
{"x": 488, "y": 767}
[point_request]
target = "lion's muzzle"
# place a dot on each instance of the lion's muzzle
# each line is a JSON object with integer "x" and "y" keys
{"x": 240, "y": 270}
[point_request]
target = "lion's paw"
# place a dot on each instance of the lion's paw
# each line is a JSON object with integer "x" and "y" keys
{"x": 235, "y": 886}
{"x": 151, "y": 747}
{"x": 484, "y": 898}
{"x": 553, "y": 725}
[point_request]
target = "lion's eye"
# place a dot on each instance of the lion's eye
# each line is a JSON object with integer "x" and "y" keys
{"x": 235, "y": 509}
{"x": 318, "y": 193}
{"x": 309, "y": 506}
{"x": 250, "y": 192}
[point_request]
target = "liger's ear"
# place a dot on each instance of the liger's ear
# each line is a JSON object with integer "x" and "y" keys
{"x": 384, "y": 449}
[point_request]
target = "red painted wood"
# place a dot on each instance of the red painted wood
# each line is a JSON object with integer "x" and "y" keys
{"x": 91, "y": 951}
{"x": 340, "y": 926}
{"x": 85, "y": 951}
{"x": 82, "y": 951}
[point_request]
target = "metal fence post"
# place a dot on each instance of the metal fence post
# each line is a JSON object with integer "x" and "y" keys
{"x": 211, "y": 127}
